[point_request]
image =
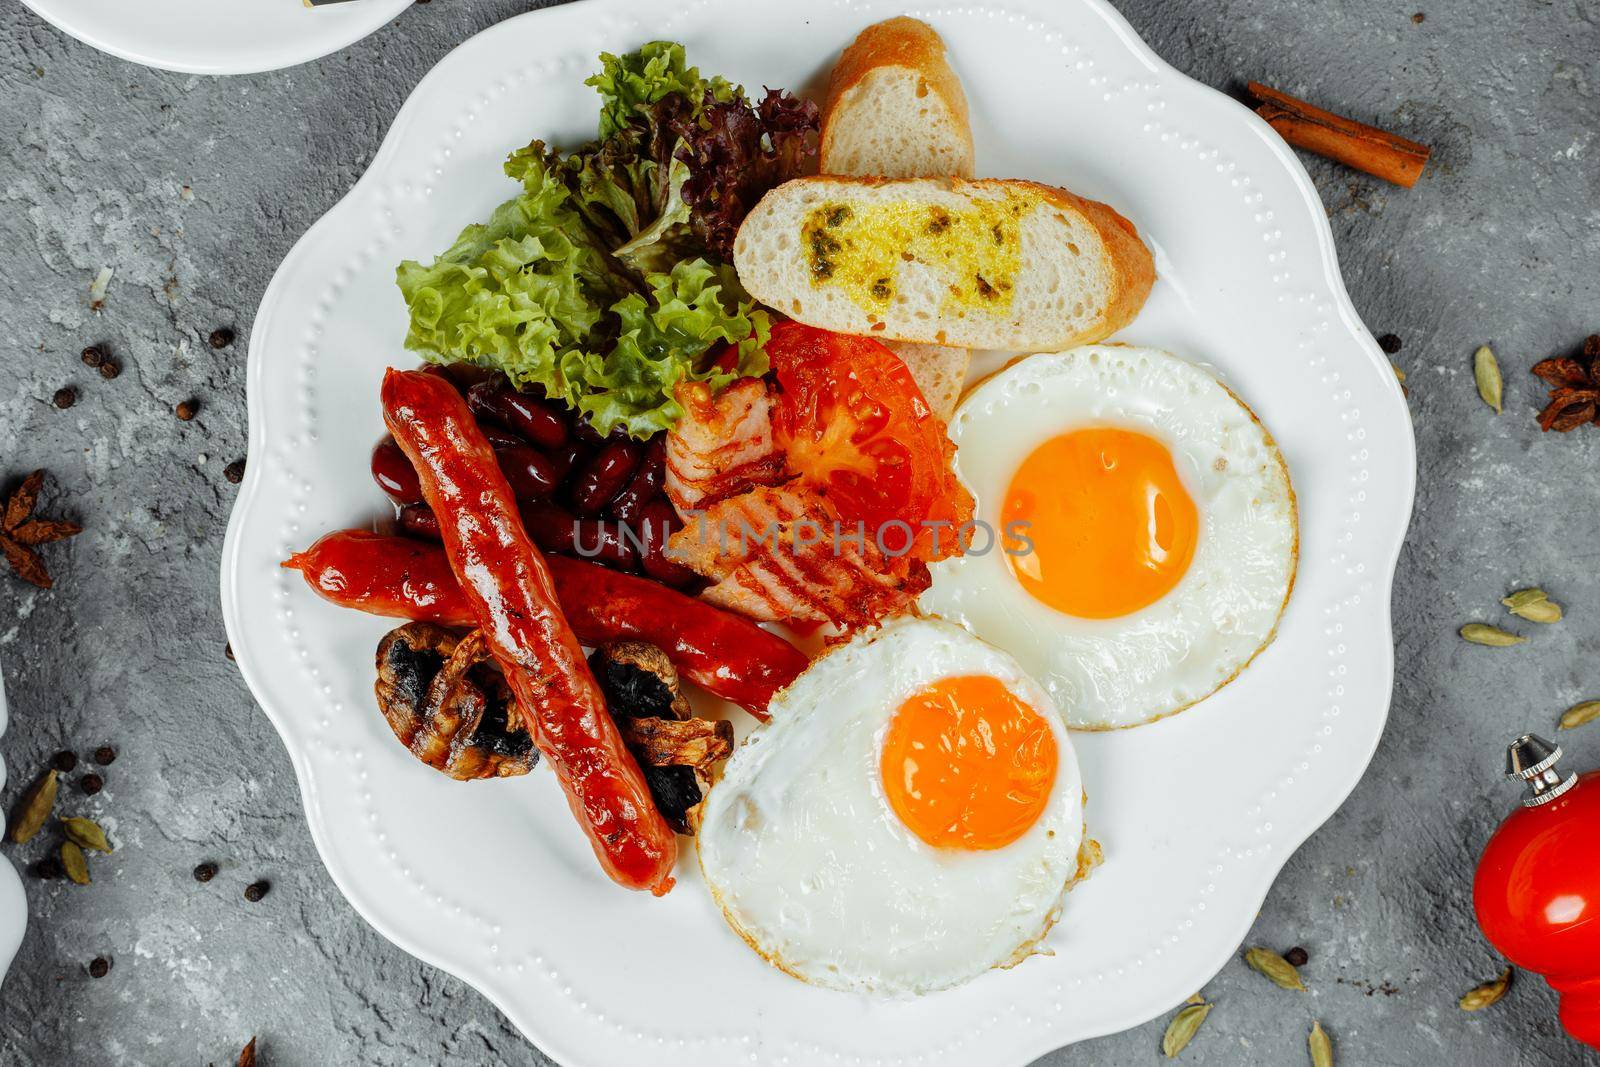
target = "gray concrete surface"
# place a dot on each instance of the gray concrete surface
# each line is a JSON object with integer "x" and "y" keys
{"x": 1500, "y": 244}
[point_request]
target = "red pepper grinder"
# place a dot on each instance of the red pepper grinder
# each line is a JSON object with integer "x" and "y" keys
{"x": 1537, "y": 891}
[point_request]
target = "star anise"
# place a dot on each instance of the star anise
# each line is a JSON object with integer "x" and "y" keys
{"x": 1574, "y": 388}
{"x": 20, "y": 532}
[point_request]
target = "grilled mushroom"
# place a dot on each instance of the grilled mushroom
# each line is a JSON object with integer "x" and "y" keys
{"x": 676, "y": 751}
{"x": 448, "y": 704}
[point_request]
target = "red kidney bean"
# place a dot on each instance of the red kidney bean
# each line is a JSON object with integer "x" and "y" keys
{"x": 602, "y": 541}
{"x": 499, "y": 438}
{"x": 533, "y": 476}
{"x": 569, "y": 457}
{"x": 604, "y": 476}
{"x": 585, "y": 432}
{"x": 646, "y": 483}
{"x": 418, "y": 520}
{"x": 538, "y": 420}
{"x": 462, "y": 375}
{"x": 550, "y": 525}
{"x": 394, "y": 473}
{"x": 655, "y": 524}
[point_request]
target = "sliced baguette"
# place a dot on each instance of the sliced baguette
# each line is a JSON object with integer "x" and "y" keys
{"x": 896, "y": 109}
{"x": 1082, "y": 273}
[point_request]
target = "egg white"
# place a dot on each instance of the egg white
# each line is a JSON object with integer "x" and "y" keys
{"x": 1129, "y": 670}
{"x": 811, "y": 866}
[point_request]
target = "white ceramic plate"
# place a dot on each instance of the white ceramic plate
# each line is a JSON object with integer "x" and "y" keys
{"x": 1197, "y": 813}
{"x": 13, "y": 901}
{"x": 216, "y": 36}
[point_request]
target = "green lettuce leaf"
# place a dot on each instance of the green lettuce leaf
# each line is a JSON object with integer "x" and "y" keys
{"x": 513, "y": 292}
{"x": 674, "y": 333}
{"x": 594, "y": 285}
{"x": 629, "y": 84}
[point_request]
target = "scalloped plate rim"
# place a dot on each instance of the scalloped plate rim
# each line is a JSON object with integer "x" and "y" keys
{"x": 552, "y": 1042}
{"x": 381, "y": 13}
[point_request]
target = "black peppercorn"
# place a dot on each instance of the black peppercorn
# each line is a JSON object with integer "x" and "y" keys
{"x": 64, "y": 761}
{"x": 221, "y": 337}
{"x": 105, "y": 755}
{"x": 99, "y": 967}
{"x": 109, "y": 369}
{"x": 204, "y": 872}
{"x": 1297, "y": 956}
{"x": 1418, "y": 17}
{"x": 49, "y": 867}
{"x": 234, "y": 471}
{"x": 1389, "y": 343}
{"x": 227, "y": 650}
{"x": 186, "y": 410}
{"x": 256, "y": 890}
{"x": 91, "y": 784}
{"x": 93, "y": 356}
{"x": 65, "y": 397}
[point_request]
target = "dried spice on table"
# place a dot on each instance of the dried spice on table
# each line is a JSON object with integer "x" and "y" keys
{"x": 21, "y": 533}
{"x": 1574, "y": 388}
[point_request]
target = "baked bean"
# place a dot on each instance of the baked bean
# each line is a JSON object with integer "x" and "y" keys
{"x": 540, "y": 421}
{"x": 532, "y": 474}
{"x": 657, "y": 520}
{"x": 394, "y": 474}
{"x": 604, "y": 476}
{"x": 418, "y": 520}
{"x": 646, "y": 483}
{"x": 603, "y": 542}
{"x": 550, "y": 525}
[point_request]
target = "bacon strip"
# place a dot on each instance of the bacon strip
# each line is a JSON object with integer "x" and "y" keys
{"x": 723, "y": 445}
{"x": 781, "y": 554}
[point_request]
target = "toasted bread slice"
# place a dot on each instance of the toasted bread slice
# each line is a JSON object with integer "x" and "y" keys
{"x": 978, "y": 264}
{"x": 895, "y": 109}
{"x": 940, "y": 371}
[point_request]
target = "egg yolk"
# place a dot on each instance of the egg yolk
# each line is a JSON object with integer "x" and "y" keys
{"x": 1111, "y": 527}
{"x": 967, "y": 765}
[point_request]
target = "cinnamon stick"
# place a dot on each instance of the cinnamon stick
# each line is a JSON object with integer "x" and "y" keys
{"x": 1355, "y": 144}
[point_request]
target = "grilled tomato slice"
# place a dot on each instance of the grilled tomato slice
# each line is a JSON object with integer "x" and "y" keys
{"x": 853, "y": 423}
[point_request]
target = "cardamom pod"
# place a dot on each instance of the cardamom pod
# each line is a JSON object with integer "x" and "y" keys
{"x": 1486, "y": 371}
{"x": 1534, "y": 605}
{"x": 1275, "y": 967}
{"x": 1320, "y": 1045}
{"x": 35, "y": 808}
{"x": 1195, "y": 999}
{"x": 1579, "y": 714}
{"x": 1483, "y": 634}
{"x": 1488, "y": 993}
{"x": 76, "y": 864}
{"x": 1182, "y": 1028}
{"x": 86, "y": 833}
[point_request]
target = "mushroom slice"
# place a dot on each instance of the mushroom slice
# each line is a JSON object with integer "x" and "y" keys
{"x": 465, "y": 722}
{"x": 678, "y": 743}
{"x": 676, "y": 751}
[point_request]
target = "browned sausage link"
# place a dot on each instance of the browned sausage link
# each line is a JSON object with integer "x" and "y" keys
{"x": 646, "y": 483}
{"x": 418, "y": 520}
{"x": 605, "y": 474}
{"x": 511, "y": 592}
{"x": 532, "y": 474}
{"x": 551, "y": 526}
{"x": 603, "y": 542}
{"x": 540, "y": 421}
{"x": 656, "y": 522}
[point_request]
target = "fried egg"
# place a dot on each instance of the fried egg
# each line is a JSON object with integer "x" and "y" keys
{"x": 1137, "y": 538}
{"x": 910, "y": 817}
